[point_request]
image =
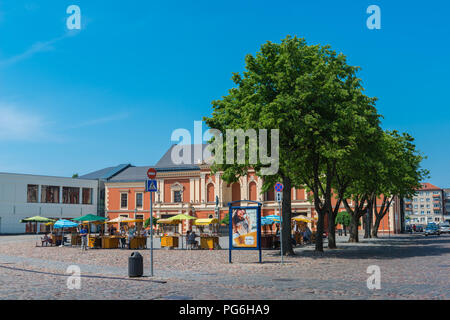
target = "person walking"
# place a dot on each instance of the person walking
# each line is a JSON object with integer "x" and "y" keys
{"x": 83, "y": 234}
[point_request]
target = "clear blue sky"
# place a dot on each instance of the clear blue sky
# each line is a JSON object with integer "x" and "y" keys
{"x": 114, "y": 91}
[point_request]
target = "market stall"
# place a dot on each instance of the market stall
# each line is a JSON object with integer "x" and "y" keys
{"x": 267, "y": 239}
{"x": 112, "y": 239}
{"x": 180, "y": 218}
{"x": 209, "y": 233}
{"x": 169, "y": 233}
{"x": 94, "y": 241}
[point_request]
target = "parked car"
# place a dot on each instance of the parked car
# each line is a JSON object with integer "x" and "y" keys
{"x": 432, "y": 229}
{"x": 444, "y": 227}
{"x": 419, "y": 228}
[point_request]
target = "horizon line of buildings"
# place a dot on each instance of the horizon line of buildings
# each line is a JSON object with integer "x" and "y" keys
{"x": 182, "y": 188}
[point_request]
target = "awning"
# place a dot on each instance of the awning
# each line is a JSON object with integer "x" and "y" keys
{"x": 205, "y": 222}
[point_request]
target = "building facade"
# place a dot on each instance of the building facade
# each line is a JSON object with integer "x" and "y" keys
{"x": 194, "y": 190}
{"x": 23, "y": 196}
{"x": 447, "y": 204}
{"x": 426, "y": 206}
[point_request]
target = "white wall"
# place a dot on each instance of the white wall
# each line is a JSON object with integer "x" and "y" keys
{"x": 14, "y": 206}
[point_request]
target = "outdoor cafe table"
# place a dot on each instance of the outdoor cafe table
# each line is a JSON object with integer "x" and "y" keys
{"x": 209, "y": 242}
{"x": 110, "y": 242}
{"x": 169, "y": 241}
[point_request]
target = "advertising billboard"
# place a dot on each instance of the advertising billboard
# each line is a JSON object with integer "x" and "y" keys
{"x": 245, "y": 227}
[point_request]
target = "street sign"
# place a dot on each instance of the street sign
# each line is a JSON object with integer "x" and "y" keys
{"x": 278, "y": 187}
{"x": 151, "y": 173}
{"x": 279, "y": 196}
{"x": 151, "y": 186}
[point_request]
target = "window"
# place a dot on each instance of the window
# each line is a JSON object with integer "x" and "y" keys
{"x": 32, "y": 193}
{"x": 124, "y": 201}
{"x": 50, "y": 194}
{"x": 177, "y": 196}
{"x": 415, "y": 206}
{"x": 421, "y": 199}
{"x": 87, "y": 195}
{"x": 428, "y": 199}
{"x": 428, "y": 212}
{"x": 422, "y": 206}
{"x": 422, "y": 212}
{"x": 71, "y": 195}
{"x": 415, "y": 199}
{"x": 139, "y": 202}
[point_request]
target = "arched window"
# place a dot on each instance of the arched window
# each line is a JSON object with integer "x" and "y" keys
{"x": 270, "y": 195}
{"x": 210, "y": 193}
{"x": 252, "y": 191}
{"x": 235, "y": 192}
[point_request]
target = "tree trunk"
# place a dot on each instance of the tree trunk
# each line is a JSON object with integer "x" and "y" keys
{"x": 319, "y": 232}
{"x": 376, "y": 225}
{"x": 354, "y": 228}
{"x": 286, "y": 212}
{"x": 345, "y": 229}
{"x": 331, "y": 230}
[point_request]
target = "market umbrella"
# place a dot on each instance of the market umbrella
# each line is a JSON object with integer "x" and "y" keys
{"x": 37, "y": 219}
{"x": 274, "y": 218}
{"x": 61, "y": 224}
{"x": 181, "y": 217}
{"x": 265, "y": 221}
{"x": 90, "y": 218}
{"x": 302, "y": 219}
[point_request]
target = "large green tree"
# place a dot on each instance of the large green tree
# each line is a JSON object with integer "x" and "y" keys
{"x": 316, "y": 101}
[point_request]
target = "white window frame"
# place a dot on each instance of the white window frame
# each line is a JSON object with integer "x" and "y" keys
{"x": 135, "y": 200}
{"x": 121, "y": 194}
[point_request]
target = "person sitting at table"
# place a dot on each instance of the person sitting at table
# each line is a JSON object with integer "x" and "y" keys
{"x": 46, "y": 240}
{"x": 188, "y": 240}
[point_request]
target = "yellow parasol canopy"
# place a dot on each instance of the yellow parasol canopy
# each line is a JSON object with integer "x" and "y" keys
{"x": 120, "y": 220}
{"x": 182, "y": 217}
{"x": 205, "y": 222}
{"x": 167, "y": 221}
{"x": 304, "y": 219}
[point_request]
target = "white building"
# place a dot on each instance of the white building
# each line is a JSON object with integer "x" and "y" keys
{"x": 23, "y": 196}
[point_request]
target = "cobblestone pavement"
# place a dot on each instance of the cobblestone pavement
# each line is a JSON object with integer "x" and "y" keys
{"x": 412, "y": 267}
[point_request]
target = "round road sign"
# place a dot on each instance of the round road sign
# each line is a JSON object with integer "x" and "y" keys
{"x": 151, "y": 173}
{"x": 278, "y": 187}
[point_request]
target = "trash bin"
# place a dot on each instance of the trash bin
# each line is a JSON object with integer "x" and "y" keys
{"x": 135, "y": 265}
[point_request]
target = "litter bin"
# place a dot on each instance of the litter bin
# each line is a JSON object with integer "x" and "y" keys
{"x": 135, "y": 265}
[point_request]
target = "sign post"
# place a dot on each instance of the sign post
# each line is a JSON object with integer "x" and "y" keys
{"x": 279, "y": 191}
{"x": 151, "y": 186}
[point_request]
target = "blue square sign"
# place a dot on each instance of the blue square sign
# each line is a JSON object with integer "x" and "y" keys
{"x": 151, "y": 186}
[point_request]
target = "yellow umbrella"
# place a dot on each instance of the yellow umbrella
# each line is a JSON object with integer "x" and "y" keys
{"x": 303, "y": 219}
{"x": 182, "y": 217}
{"x": 205, "y": 222}
{"x": 167, "y": 221}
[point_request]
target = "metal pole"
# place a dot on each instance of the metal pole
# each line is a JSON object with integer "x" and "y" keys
{"x": 151, "y": 234}
{"x": 281, "y": 231}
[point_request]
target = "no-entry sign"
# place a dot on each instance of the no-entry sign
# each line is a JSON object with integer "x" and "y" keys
{"x": 151, "y": 173}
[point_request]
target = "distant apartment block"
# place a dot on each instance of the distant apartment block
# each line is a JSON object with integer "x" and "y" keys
{"x": 447, "y": 203}
{"x": 428, "y": 205}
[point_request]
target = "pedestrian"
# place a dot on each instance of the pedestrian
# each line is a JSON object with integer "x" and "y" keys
{"x": 188, "y": 240}
{"x": 83, "y": 234}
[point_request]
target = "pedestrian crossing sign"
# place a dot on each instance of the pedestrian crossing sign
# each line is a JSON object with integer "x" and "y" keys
{"x": 151, "y": 186}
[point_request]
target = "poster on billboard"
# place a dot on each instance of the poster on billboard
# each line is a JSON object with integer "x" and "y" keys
{"x": 245, "y": 228}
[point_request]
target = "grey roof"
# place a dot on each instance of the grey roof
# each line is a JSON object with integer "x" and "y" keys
{"x": 163, "y": 165}
{"x": 106, "y": 173}
{"x": 166, "y": 162}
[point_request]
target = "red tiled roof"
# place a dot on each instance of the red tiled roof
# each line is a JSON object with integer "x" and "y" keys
{"x": 429, "y": 186}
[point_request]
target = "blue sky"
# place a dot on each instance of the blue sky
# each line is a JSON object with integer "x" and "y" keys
{"x": 113, "y": 92}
